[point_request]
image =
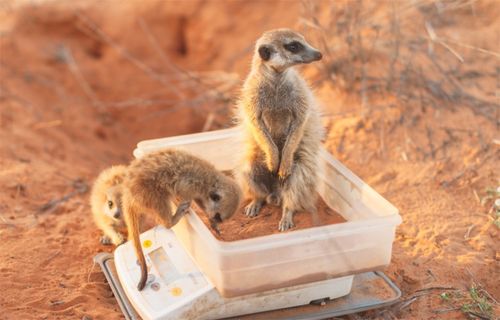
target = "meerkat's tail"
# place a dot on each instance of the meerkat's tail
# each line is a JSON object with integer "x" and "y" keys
{"x": 132, "y": 219}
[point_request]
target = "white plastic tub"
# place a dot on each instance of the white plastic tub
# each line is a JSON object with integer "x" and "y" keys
{"x": 253, "y": 265}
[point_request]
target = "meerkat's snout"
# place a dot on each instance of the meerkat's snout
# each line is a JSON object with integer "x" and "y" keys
{"x": 223, "y": 201}
{"x": 311, "y": 56}
{"x": 113, "y": 204}
{"x": 117, "y": 214}
{"x": 217, "y": 218}
{"x": 317, "y": 55}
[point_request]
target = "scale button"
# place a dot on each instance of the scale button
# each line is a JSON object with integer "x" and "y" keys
{"x": 176, "y": 291}
{"x": 155, "y": 286}
{"x": 151, "y": 278}
{"x": 147, "y": 243}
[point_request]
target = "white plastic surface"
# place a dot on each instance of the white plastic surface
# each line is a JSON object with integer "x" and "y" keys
{"x": 176, "y": 289}
{"x": 241, "y": 267}
{"x": 174, "y": 281}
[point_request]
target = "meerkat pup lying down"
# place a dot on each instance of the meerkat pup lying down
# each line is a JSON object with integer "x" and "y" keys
{"x": 106, "y": 204}
{"x": 282, "y": 126}
{"x": 155, "y": 180}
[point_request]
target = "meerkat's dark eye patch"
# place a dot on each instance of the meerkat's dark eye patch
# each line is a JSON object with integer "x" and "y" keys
{"x": 294, "y": 46}
{"x": 265, "y": 52}
{"x": 214, "y": 196}
{"x": 110, "y": 204}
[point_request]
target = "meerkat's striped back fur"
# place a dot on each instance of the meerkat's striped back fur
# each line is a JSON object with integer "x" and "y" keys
{"x": 155, "y": 180}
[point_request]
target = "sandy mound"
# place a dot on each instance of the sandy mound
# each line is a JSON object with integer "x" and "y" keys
{"x": 241, "y": 227}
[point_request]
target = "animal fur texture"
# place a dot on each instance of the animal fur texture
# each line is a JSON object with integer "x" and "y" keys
{"x": 106, "y": 204}
{"x": 154, "y": 181}
{"x": 282, "y": 127}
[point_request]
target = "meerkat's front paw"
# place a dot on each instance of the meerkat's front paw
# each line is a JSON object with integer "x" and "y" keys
{"x": 272, "y": 163}
{"x": 253, "y": 208}
{"x": 285, "y": 224}
{"x": 105, "y": 240}
{"x": 286, "y": 221}
{"x": 285, "y": 170}
{"x": 118, "y": 239}
{"x": 183, "y": 207}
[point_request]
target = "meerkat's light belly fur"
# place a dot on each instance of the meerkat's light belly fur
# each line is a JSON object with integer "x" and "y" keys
{"x": 300, "y": 193}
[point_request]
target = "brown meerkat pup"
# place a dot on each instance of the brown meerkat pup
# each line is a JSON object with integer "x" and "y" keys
{"x": 106, "y": 204}
{"x": 156, "y": 179}
{"x": 282, "y": 127}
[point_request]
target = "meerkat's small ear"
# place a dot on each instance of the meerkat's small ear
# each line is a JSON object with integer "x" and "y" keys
{"x": 265, "y": 52}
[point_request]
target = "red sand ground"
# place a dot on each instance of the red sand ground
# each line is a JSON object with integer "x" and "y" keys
{"x": 241, "y": 227}
{"x": 72, "y": 102}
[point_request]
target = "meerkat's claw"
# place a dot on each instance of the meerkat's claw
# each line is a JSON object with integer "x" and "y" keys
{"x": 105, "y": 240}
{"x": 253, "y": 208}
{"x": 273, "y": 163}
{"x": 119, "y": 239}
{"x": 286, "y": 221}
{"x": 283, "y": 180}
{"x": 183, "y": 207}
{"x": 215, "y": 226}
{"x": 272, "y": 168}
{"x": 285, "y": 224}
{"x": 284, "y": 170}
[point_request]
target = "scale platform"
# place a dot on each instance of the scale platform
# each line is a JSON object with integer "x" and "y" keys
{"x": 177, "y": 289}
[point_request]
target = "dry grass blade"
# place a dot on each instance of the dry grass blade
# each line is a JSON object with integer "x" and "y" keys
{"x": 67, "y": 56}
{"x": 355, "y": 26}
{"x": 50, "y": 258}
{"x": 433, "y": 36}
{"x": 126, "y": 54}
{"x": 6, "y": 222}
{"x": 79, "y": 186}
{"x": 154, "y": 43}
{"x": 208, "y": 122}
{"x": 446, "y": 310}
{"x": 468, "y": 46}
{"x": 469, "y": 168}
{"x": 180, "y": 72}
{"x": 435, "y": 288}
{"x": 479, "y": 285}
{"x": 407, "y": 303}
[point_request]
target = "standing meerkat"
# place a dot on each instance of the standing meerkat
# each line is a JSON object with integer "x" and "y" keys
{"x": 156, "y": 179}
{"x": 106, "y": 204}
{"x": 282, "y": 127}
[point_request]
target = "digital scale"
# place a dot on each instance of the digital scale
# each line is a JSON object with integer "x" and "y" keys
{"x": 185, "y": 266}
{"x": 177, "y": 289}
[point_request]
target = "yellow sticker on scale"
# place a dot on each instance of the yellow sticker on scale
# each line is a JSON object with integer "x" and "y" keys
{"x": 176, "y": 291}
{"x": 147, "y": 243}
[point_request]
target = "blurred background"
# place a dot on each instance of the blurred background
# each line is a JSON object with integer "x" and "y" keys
{"x": 410, "y": 93}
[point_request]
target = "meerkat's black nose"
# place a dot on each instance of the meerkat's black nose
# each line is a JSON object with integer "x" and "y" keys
{"x": 217, "y": 218}
{"x": 318, "y": 55}
{"x": 116, "y": 215}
